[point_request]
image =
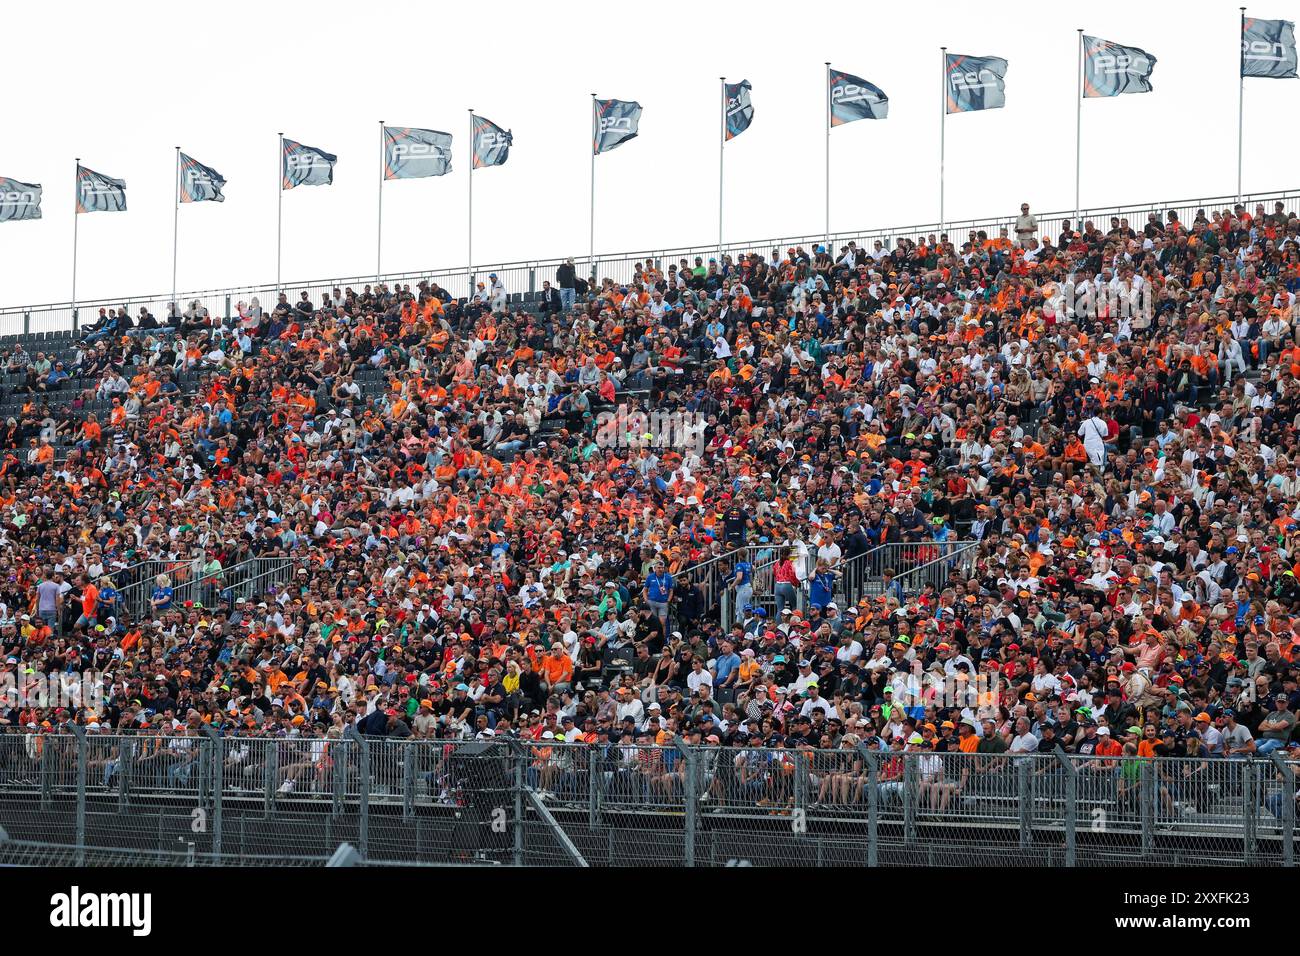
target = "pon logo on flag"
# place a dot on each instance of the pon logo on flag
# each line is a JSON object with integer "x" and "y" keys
{"x": 306, "y": 166}
{"x": 491, "y": 143}
{"x": 853, "y": 98}
{"x": 200, "y": 183}
{"x": 974, "y": 83}
{"x": 415, "y": 153}
{"x": 739, "y": 111}
{"x": 19, "y": 200}
{"x": 1268, "y": 49}
{"x": 99, "y": 193}
{"x": 617, "y": 121}
{"x": 1110, "y": 69}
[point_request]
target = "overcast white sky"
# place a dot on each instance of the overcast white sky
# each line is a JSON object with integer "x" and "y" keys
{"x": 121, "y": 87}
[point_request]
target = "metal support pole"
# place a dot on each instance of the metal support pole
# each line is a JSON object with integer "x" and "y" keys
{"x": 943, "y": 124}
{"x": 125, "y": 760}
{"x": 272, "y": 771}
{"x": 591, "y": 231}
{"x": 1287, "y": 806}
{"x": 176, "y": 219}
{"x": 690, "y": 788}
{"x": 76, "y": 221}
{"x": 469, "y": 225}
{"x": 363, "y": 809}
{"x": 872, "y": 766}
{"x": 1249, "y": 811}
{"x": 1241, "y": 102}
{"x": 827, "y": 239}
{"x": 909, "y": 799}
{"x": 1071, "y": 806}
{"x": 722, "y": 143}
{"x": 408, "y": 781}
{"x": 218, "y": 783}
{"x": 1147, "y": 805}
{"x": 379, "y": 225}
{"x": 520, "y": 756}
{"x": 82, "y": 756}
{"x": 1025, "y": 797}
{"x": 1078, "y": 131}
{"x": 279, "y": 207}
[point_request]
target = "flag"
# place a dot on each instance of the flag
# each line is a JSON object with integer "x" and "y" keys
{"x": 200, "y": 183}
{"x": 99, "y": 193}
{"x": 616, "y": 123}
{"x": 415, "y": 153}
{"x": 975, "y": 82}
{"x": 1110, "y": 69}
{"x": 305, "y": 166}
{"x": 740, "y": 111}
{"x": 1268, "y": 49}
{"x": 853, "y": 98}
{"x": 19, "y": 200}
{"x": 491, "y": 143}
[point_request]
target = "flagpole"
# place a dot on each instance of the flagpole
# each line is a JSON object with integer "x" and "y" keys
{"x": 379, "y": 227}
{"x": 722, "y": 144}
{"x": 469, "y": 231}
{"x": 1078, "y": 130}
{"x": 591, "y": 234}
{"x": 827, "y": 238}
{"x": 1241, "y": 101}
{"x": 943, "y": 124}
{"x": 76, "y": 221}
{"x": 279, "y": 209}
{"x": 176, "y": 218}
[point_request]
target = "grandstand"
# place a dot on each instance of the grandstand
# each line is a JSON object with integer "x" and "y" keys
{"x": 365, "y": 570}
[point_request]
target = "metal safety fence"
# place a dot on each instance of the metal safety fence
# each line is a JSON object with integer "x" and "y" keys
{"x": 525, "y": 277}
{"x": 105, "y": 796}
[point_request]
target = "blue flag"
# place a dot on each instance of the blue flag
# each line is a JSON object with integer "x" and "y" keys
{"x": 739, "y": 110}
{"x": 305, "y": 166}
{"x": 1268, "y": 49}
{"x": 19, "y": 200}
{"x": 491, "y": 143}
{"x": 1110, "y": 69}
{"x": 99, "y": 193}
{"x": 853, "y": 98}
{"x": 616, "y": 122}
{"x": 200, "y": 183}
{"x": 415, "y": 153}
{"x": 974, "y": 82}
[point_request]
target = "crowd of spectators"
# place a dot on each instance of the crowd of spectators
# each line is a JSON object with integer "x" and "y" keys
{"x": 1109, "y": 410}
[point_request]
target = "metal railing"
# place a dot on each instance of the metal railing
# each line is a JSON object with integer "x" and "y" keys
{"x": 545, "y": 801}
{"x": 527, "y": 275}
{"x": 247, "y": 579}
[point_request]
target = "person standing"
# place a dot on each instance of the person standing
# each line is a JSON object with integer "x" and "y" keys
{"x": 1026, "y": 226}
{"x": 566, "y": 278}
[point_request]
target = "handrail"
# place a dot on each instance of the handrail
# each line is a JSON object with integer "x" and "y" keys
{"x": 521, "y": 269}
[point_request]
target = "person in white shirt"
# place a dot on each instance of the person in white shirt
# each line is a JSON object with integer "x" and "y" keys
{"x": 1022, "y": 741}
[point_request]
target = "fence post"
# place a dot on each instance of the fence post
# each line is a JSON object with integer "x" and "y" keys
{"x": 521, "y": 755}
{"x": 341, "y": 761}
{"x": 81, "y": 791}
{"x": 75, "y": 323}
{"x": 691, "y": 797}
{"x": 1025, "y": 795}
{"x": 408, "y": 781}
{"x": 909, "y": 799}
{"x": 873, "y": 803}
{"x": 227, "y": 316}
{"x": 593, "y": 790}
{"x": 125, "y": 759}
{"x": 47, "y": 783}
{"x": 363, "y": 809}
{"x": 215, "y": 741}
{"x": 1287, "y": 807}
{"x": 27, "y": 323}
{"x": 1071, "y": 805}
{"x": 272, "y": 770}
{"x": 1147, "y": 805}
{"x": 1249, "y": 810}
{"x": 532, "y": 280}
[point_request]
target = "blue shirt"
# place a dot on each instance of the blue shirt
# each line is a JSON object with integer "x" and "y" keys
{"x": 744, "y": 573}
{"x": 657, "y": 586}
{"x": 725, "y": 665}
